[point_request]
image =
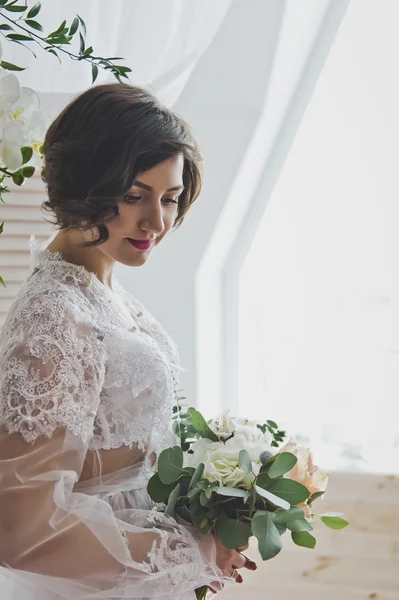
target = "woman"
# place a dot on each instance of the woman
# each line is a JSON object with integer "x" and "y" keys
{"x": 87, "y": 376}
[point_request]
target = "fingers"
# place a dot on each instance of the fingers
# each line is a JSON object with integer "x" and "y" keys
{"x": 249, "y": 563}
{"x": 240, "y": 561}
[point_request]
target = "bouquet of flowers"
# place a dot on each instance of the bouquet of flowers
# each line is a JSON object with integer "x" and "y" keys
{"x": 229, "y": 476}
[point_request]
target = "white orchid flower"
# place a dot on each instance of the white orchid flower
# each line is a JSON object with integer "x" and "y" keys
{"x": 21, "y": 121}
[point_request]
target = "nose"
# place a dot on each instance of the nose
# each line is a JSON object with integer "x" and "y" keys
{"x": 153, "y": 220}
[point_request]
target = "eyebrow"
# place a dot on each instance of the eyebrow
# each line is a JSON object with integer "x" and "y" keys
{"x": 150, "y": 189}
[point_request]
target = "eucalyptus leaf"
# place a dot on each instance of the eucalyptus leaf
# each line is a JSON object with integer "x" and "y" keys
{"x": 289, "y": 490}
{"x": 172, "y": 500}
{"x": 203, "y": 498}
{"x": 263, "y": 528}
{"x": 283, "y": 463}
{"x": 299, "y": 525}
{"x": 184, "y": 513}
{"x": 197, "y": 475}
{"x": 303, "y": 538}
{"x": 230, "y": 491}
{"x": 170, "y": 463}
{"x": 158, "y": 491}
{"x": 275, "y": 500}
{"x": 335, "y": 522}
{"x": 284, "y": 516}
{"x": 193, "y": 492}
{"x": 199, "y": 423}
{"x": 233, "y": 533}
{"x": 245, "y": 461}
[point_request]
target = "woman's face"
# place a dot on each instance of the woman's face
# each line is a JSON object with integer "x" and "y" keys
{"x": 146, "y": 214}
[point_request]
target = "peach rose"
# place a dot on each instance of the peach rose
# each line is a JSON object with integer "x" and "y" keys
{"x": 305, "y": 472}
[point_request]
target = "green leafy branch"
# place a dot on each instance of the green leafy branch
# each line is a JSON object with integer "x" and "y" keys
{"x": 56, "y": 41}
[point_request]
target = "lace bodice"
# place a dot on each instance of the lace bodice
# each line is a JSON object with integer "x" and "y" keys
{"x": 77, "y": 340}
{"x": 80, "y": 384}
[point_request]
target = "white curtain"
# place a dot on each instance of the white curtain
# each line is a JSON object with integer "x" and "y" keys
{"x": 161, "y": 41}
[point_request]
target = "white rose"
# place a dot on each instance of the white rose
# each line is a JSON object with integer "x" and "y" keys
{"x": 221, "y": 459}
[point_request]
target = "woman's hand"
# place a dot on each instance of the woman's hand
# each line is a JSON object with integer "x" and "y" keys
{"x": 227, "y": 560}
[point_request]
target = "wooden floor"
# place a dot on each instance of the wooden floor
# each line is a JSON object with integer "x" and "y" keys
{"x": 360, "y": 562}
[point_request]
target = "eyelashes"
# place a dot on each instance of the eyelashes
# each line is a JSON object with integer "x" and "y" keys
{"x": 130, "y": 199}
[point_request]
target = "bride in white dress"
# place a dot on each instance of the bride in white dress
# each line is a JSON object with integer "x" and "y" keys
{"x": 88, "y": 377}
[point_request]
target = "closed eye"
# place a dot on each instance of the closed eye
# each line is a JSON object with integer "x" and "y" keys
{"x": 130, "y": 199}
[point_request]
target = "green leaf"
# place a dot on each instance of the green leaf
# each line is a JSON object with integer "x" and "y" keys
{"x": 335, "y": 522}
{"x": 203, "y": 498}
{"x": 230, "y": 491}
{"x": 2, "y": 282}
{"x": 15, "y": 8}
{"x": 34, "y": 11}
{"x": 28, "y": 172}
{"x": 201, "y": 426}
{"x": 199, "y": 471}
{"x": 59, "y": 30}
{"x": 269, "y": 540}
{"x": 52, "y": 51}
{"x": 184, "y": 513}
{"x": 193, "y": 492}
{"x": 299, "y": 525}
{"x": 3, "y": 2}
{"x": 74, "y": 26}
{"x": 314, "y": 496}
{"x": 284, "y": 516}
{"x": 94, "y": 72}
{"x": 88, "y": 51}
{"x": 233, "y": 533}
{"x": 275, "y": 500}
{"x": 303, "y": 538}
{"x": 18, "y": 37}
{"x": 10, "y": 66}
{"x": 272, "y": 424}
{"x": 170, "y": 464}
{"x": 289, "y": 490}
{"x": 158, "y": 491}
{"x": 5, "y": 27}
{"x": 2, "y": 227}
{"x": 82, "y": 43}
{"x": 18, "y": 179}
{"x": 34, "y": 24}
{"x": 27, "y": 154}
{"x": 245, "y": 461}
{"x": 83, "y": 25}
{"x": 172, "y": 500}
{"x": 283, "y": 463}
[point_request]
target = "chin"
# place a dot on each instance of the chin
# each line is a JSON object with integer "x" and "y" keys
{"x": 136, "y": 261}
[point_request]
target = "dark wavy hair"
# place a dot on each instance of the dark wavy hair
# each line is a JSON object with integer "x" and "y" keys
{"x": 100, "y": 143}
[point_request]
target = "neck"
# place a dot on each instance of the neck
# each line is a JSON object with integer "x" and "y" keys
{"x": 92, "y": 258}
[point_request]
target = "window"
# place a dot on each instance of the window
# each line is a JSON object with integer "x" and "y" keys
{"x": 319, "y": 289}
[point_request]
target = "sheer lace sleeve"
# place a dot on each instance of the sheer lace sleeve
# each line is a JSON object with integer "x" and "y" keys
{"x": 53, "y": 538}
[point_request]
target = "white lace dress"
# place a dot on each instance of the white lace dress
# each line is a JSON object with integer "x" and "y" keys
{"x": 85, "y": 409}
